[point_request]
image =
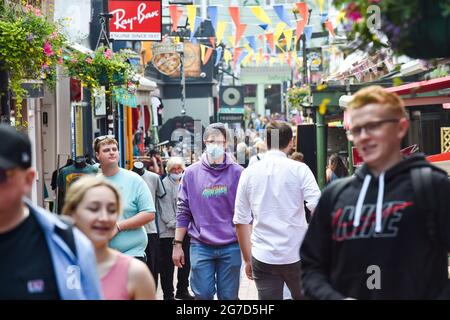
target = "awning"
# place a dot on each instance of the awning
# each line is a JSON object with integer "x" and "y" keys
{"x": 146, "y": 84}
{"x": 422, "y": 86}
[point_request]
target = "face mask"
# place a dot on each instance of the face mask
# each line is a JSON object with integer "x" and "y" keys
{"x": 176, "y": 176}
{"x": 214, "y": 151}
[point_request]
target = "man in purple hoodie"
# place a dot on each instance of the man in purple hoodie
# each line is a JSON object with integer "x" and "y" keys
{"x": 205, "y": 210}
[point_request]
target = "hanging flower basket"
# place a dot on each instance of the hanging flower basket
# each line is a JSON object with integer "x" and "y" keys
{"x": 417, "y": 28}
{"x": 30, "y": 48}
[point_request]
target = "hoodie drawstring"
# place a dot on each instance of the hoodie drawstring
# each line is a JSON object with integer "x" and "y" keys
{"x": 379, "y": 206}
{"x": 360, "y": 201}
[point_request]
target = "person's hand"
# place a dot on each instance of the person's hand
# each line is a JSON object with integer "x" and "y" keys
{"x": 249, "y": 270}
{"x": 178, "y": 256}
{"x": 115, "y": 231}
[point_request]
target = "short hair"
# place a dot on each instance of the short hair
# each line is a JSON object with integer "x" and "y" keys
{"x": 174, "y": 161}
{"x": 280, "y": 130}
{"x": 261, "y": 147}
{"x": 79, "y": 188}
{"x": 376, "y": 94}
{"x": 297, "y": 156}
{"x": 215, "y": 129}
{"x": 103, "y": 141}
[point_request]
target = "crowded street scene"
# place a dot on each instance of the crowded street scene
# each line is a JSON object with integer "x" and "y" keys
{"x": 233, "y": 151}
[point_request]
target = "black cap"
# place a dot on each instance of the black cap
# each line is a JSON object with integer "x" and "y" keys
{"x": 15, "y": 148}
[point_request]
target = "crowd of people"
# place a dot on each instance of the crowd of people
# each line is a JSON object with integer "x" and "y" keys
{"x": 245, "y": 203}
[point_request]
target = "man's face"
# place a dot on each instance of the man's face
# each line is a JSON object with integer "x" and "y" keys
{"x": 377, "y": 134}
{"x": 108, "y": 155}
{"x": 15, "y": 184}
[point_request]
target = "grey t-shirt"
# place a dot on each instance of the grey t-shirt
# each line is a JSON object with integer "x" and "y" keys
{"x": 157, "y": 190}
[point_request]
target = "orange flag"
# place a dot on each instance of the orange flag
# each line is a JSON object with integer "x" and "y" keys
{"x": 239, "y": 32}
{"x": 234, "y": 13}
{"x": 236, "y": 54}
{"x": 298, "y": 32}
{"x": 303, "y": 11}
{"x": 269, "y": 38}
{"x": 209, "y": 51}
{"x": 175, "y": 14}
{"x": 212, "y": 40}
{"x": 329, "y": 26}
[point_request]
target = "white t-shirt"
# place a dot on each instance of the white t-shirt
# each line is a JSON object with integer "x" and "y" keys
{"x": 155, "y": 104}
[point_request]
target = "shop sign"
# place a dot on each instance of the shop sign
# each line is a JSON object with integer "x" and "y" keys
{"x": 165, "y": 59}
{"x": 135, "y": 20}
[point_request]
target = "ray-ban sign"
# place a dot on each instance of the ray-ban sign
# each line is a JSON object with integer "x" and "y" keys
{"x": 135, "y": 20}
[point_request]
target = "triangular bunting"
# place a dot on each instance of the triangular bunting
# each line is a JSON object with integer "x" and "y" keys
{"x": 220, "y": 31}
{"x": 239, "y": 32}
{"x": 175, "y": 15}
{"x": 192, "y": 12}
{"x": 234, "y": 13}
{"x": 209, "y": 52}
{"x": 303, "y": 11}
{"x": 212, "y": 13}
{"x": 281, "y": 13}
{"x": 260, "y": 14}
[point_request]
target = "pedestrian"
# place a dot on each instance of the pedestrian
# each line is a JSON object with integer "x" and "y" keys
{"x": 95, "y": 205}
{"x": 167, "y": 220}
{"x": 138, "y": 206}
{"x": 297, "y": 156}
{"x": 261, "y": 149}
{"x": 336, "y": 168}
{"x": 153, "y": 182}
{"x": 270, "y": 216}
{"x": 42, "y": 257}
{"x": 205, "y": 210}
{"x": 370, "y": 237}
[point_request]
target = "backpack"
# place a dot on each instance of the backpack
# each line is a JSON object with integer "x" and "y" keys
{"x": 67, "y": 234}
{"x": 423, "y": 189}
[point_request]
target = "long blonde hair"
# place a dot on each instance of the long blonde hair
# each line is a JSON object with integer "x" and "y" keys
{"x": 78, "y": 190}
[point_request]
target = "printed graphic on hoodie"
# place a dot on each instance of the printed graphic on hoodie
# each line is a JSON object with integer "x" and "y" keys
{"x": 343, "y": 218}
{"x": 215, "y": 191}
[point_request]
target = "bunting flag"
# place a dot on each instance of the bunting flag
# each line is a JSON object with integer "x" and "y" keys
{"x": 175, "y": 14}
{"x": 242, "y": 56}
{"x": 278, "y": 31}
{"x": 269, "y": 38}
{"x": 280, "y": 47}
{"x": 261, "y": 15}
{"x": 248, "y": 48}
{"x": 212, "y": 13}
{"x": 231, "y": 41}
{"x": 202, "y": 53}
{"x": 263, "y": 26}
{"x": 212, "y": 40}
{"x": 261, "y": 37}
{"x": 240, "y": 29}
{"x": 288, "y": 36}
{"x": 252, "y": 42}
{"x": 234, "y": 13}
{"x": 192, "y": 12}
{"x": 329, "y": 26}
{"x": 281, "y": 13}
{"x": 289, "y": 62}
{"x": 340, "y": 16}
{"x": 227, "y": 55}
{"x": 303, "y": 11}
{"x": 321, "y": 5}
{"x": 299, "y": 30}
{"x": 248, "y": 58}
{"x": 209, "y": 52}
{"x": 220, "y": 31}
{"x": 236, "y": 53}
{"x": 308, "y": 33}
{"x": 323, "y": 17}
{"x": 218, "y": 56}
{"x": 198, "y": 22}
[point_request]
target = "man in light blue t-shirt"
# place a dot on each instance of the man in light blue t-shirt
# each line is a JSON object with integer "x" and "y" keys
{"x": 138, "y": 207}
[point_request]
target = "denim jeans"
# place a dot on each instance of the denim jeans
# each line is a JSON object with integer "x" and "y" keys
{"x": 215, "y": 269}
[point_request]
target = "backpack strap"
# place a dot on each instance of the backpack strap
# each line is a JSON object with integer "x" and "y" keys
{"x": 423, "y": 191}
{"x": 337, "y": 187}
{"x": 67, "y": 234}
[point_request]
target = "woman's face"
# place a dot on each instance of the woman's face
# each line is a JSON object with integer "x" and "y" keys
{"x": 96, "y": 215}
{"x": 177, "y": 169}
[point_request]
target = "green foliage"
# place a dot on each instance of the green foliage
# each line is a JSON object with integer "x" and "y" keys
{"x": 296, "y": 95}
{"x": 30, "y": 48}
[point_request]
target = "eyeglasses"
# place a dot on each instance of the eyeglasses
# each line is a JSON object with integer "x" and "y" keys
{"x": 101, "y": 138}
{"x": 370, "y": 128}
{"x": 5, "y": 174}
{"x": 214, "y": 142}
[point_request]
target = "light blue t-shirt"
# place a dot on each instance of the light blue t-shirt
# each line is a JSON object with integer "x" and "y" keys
{"x": 136, "y": 198}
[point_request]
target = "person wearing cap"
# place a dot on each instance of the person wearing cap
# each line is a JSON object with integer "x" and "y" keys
{"x": 42, "y": 256}
{"x": 129, "y": 237}
{"x": 205, "y": 210}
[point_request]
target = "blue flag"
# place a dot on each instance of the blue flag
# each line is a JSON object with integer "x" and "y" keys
{"x": 212, "y": 13}
{"x": 308, "y": 33}
{"x": 263, "y": 26}
{"x": 252, "y": 42}
{"x": 198, "y": 22}
{"x": 218, "y": 56}
{"x": 281, "y": 13}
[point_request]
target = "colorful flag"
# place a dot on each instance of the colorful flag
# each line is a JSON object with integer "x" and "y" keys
{"x": 212, "y": 13}
{"x": 261, "y": 15}
{"x": 281, "y": 13}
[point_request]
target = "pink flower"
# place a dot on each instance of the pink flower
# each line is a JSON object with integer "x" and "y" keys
{"x": 108, "y": 54}
{"x": 53, "y": 35}
{"x": 48, "y": 49}
{"x": 73, "y": 60}
{"x": 89, "y": 60}
{"x": 60, "y": 61}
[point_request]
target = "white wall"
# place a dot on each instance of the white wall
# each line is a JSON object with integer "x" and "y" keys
{"x": 197, "y": 108}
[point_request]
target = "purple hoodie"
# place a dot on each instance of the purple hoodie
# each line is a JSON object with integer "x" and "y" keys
{"x": 206, "y": 201}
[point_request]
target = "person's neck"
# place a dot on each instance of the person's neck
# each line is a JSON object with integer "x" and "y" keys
{"x": 12, "y": 217}
{"x": 285, "y": 150}
{"x": 215, "y": 161}
{"x": 111, "y": 170}
{"x": 103, "y": 253}
{"x": 386, "y": 164}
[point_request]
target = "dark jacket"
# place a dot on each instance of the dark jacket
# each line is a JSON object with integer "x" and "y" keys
{"x": 346, "y": 248}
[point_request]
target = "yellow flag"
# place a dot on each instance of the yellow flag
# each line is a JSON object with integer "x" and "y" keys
{"x": 278, "y": 31}
{"x": 202, "y": 53}
{"x": 220, "y": 31}
{"x": 231, "y": 41}
{"x": 320, "y": 5}
{"x": 340, "y": 16}
{"x": 260, "y": 14}
{"x": 280, "y": 47}
{"x": 227, "y": 55}
{"x": 247, "y": 58}
{"x": 192, "y": 12}
{"x": 247, "y": 47}
{"x": 288, "y": 36}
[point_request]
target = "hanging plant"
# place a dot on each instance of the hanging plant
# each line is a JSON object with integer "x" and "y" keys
{"x": 30, "y": 48}
{"x": 297, "y": 95}
{"x": 100, "y": 68}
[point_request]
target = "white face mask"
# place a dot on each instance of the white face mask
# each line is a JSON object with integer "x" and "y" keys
{"x": 215, "y": 151}
{"x": 176, "y": 176}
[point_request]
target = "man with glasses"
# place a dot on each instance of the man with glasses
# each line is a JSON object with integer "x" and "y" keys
{"x": 369, "y": 238}
{"x": 39, "y": 253}
{"x": 130, "y": 237}
{"x": 205, "y": 210}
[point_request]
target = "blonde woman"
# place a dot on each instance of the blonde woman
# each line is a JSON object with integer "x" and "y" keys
{"x": 95, "y": 206}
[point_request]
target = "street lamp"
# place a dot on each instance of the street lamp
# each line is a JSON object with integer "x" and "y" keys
{"x": 182, "y": 24}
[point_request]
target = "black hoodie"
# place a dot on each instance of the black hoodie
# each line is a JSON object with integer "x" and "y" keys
{"x": 390, "y": 252}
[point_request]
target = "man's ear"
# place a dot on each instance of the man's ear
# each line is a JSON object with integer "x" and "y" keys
{"x": 404, "y": 125}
